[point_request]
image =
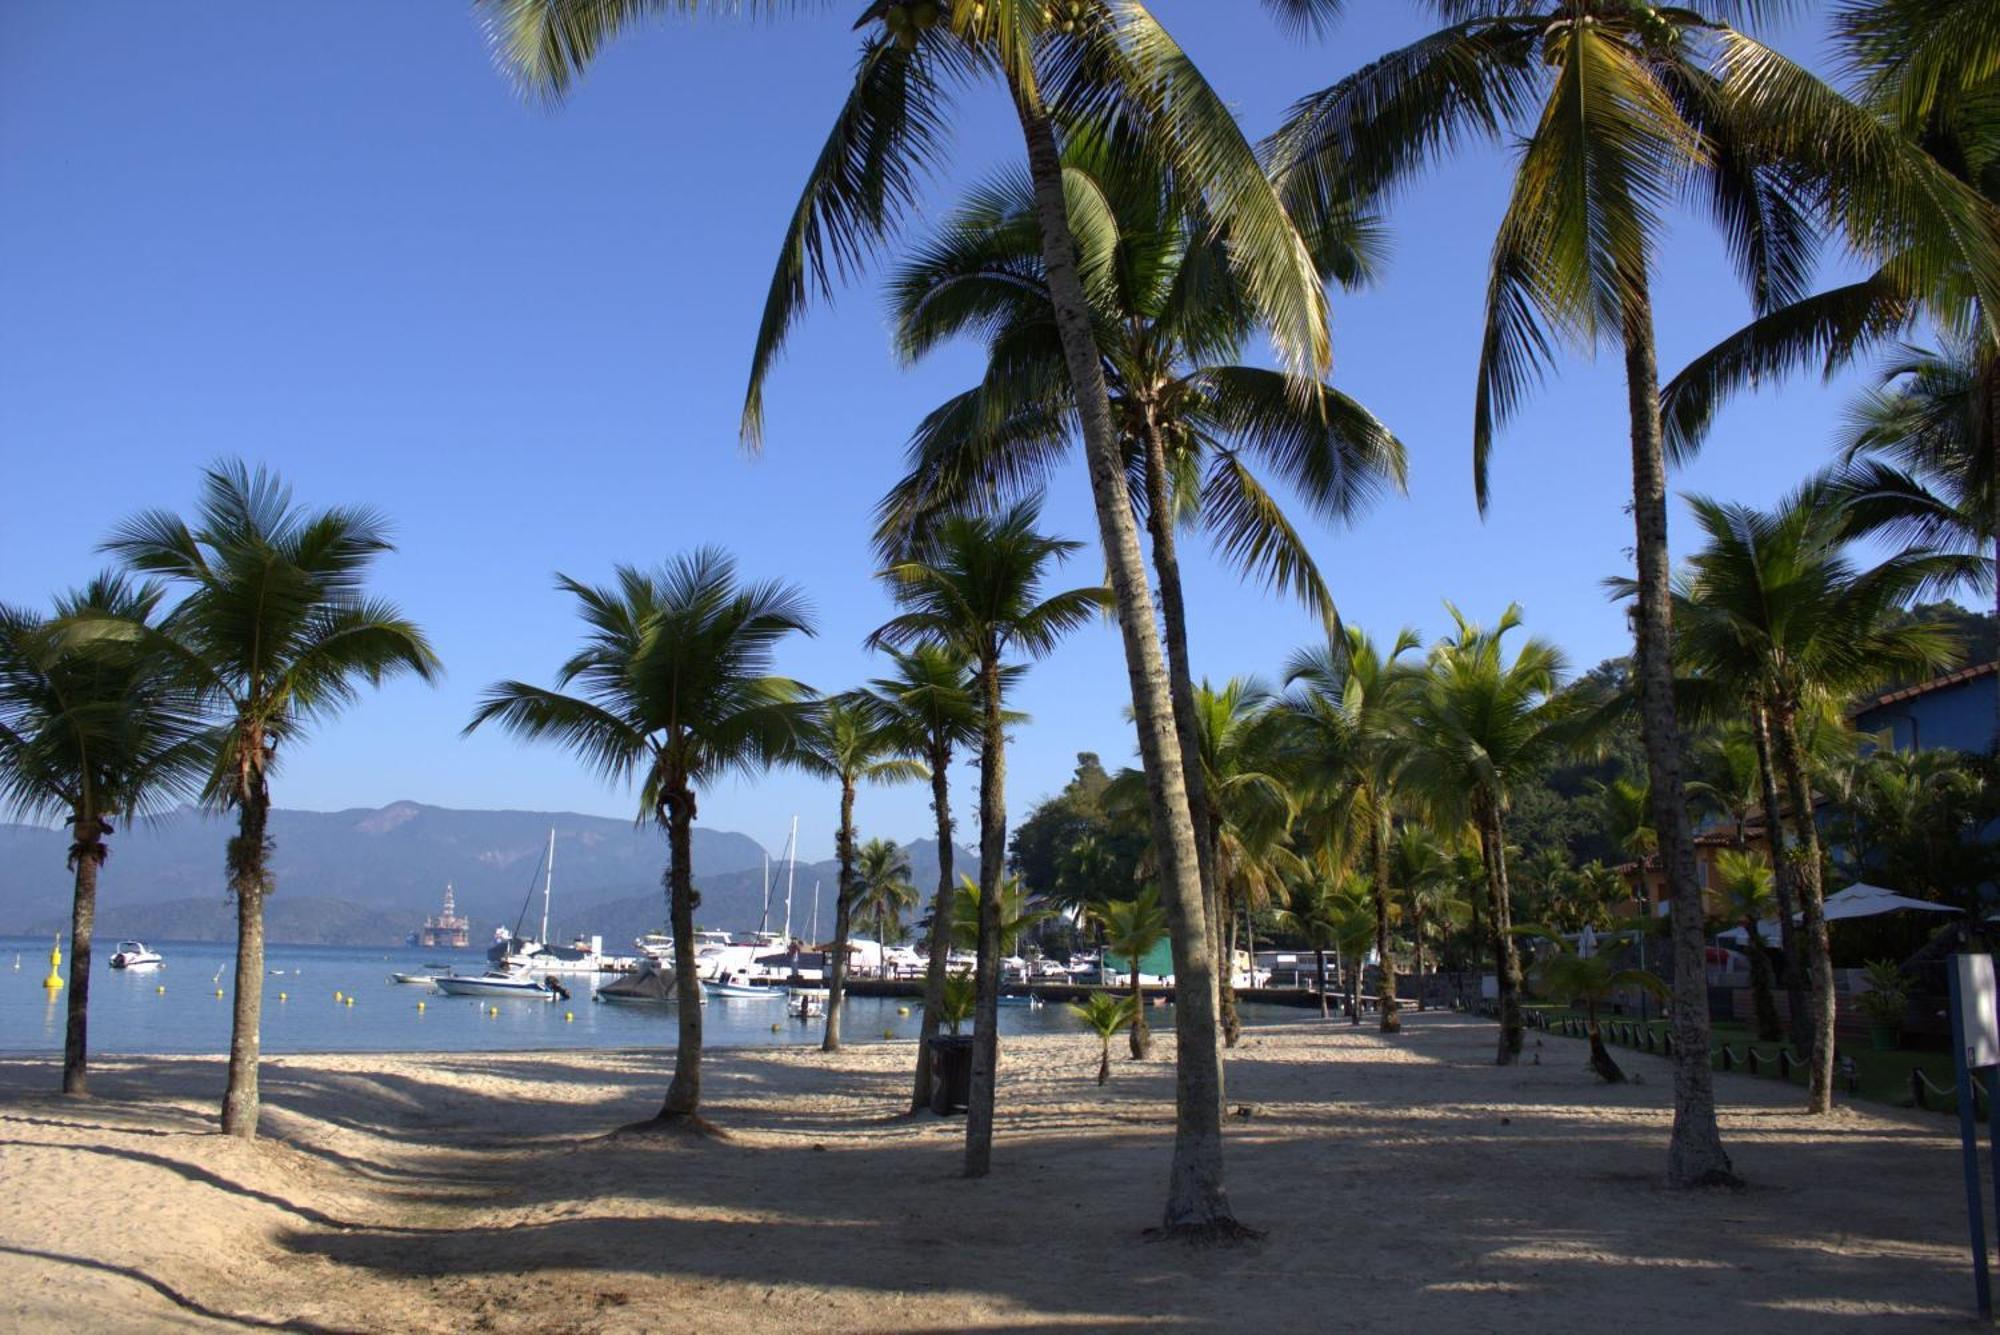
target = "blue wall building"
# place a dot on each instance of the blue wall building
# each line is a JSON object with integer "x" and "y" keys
{"x": 1955, "y": 710}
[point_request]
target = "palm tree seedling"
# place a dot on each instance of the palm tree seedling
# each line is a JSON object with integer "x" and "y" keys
{"x": 1589, "y": 981}
{"x": 1744, "y": 881}
{"x": 1132, "y": 928}
{"x": 1104, "y": 1014}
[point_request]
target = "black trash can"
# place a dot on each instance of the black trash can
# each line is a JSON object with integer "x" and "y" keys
{"x": 951, "y": 1073}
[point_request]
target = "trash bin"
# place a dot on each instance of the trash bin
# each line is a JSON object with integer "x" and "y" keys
{"x": 951, "y": 1073}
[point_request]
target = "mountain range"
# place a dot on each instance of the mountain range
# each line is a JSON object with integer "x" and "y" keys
{"x": 370, "y": 876}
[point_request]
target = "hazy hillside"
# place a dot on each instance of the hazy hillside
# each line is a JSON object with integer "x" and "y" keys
{"x": 394, "y": 861}
{"x": 368, "y": 877}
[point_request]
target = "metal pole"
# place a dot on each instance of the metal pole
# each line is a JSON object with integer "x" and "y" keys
{"x": 791, "y": 874}
{"x": 548, "y": 883}
{"x": 1968, "y": 1136}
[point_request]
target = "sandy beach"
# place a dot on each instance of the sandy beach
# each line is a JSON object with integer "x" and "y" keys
{"x": 1403, "y": 1181}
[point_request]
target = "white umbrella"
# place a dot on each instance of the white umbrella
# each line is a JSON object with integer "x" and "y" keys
{"x": 1767, "y": 929}
{"x": 1865, "y": 901}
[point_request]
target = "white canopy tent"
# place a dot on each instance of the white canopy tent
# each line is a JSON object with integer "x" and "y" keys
{"x": 1856, "y": 901}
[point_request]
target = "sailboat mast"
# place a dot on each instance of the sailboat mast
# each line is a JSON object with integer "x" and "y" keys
{"x": 548, "y": 884}
{"x": 791, "y": 874}
{"x": 764, "y": 919}
{"x": 815, "y": 935}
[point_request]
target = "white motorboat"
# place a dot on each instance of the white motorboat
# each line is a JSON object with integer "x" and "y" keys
{"x": 135, "y": 955}
{"x": 742, "y": 985}
{"x": 805, "y": 1003}
{"x": 496, "y": 983}
{"x": 414, "y": 979}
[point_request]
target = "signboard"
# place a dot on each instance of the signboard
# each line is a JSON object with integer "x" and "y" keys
{"x": 1977, "y": 1012}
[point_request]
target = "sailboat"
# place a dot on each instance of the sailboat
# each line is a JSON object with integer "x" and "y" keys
{"x": 583, "y": 955}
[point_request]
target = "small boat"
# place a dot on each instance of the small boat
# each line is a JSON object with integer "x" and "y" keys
{"x": 740, "y": 984}
{"x": 413, "y": 979}
{"x": 1029, "y": 1000}
{"x": 651, "y": 984}
{"x": 135, "y": 955}
{"x": 806, "y": 1002}
{"x": 496, "y": 983}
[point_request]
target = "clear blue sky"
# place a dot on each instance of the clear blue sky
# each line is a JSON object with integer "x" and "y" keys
{"x": 333, "y": 241}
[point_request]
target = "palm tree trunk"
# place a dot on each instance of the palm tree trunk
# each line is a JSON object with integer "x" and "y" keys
{"x": 1391, "y": 1021}
{"x": 1506, "y": 954}
{"x": 1600, "y": 1056}
{"x": 927, "y": 1023}
{"x": 1142, "y": 1037}
{"x": 1764, "y": 1003}
{"x": 1417, "y": 939}
{"x": 1180, "y": 678}
{"x": 1819, "y": 955}
{"x": 986, "y": 972}
{"x": 1104, "y": 1060}
{"x": 86, "y": 856}
{"x": 1695, "y": 1156}
{"x": 1197, "y": 1198}
{"x": 248, "y": 881}
{"x": 1319, "y": 967}
{"x": 1781, "y": 882}
{"x": 843, "y": 911}
{"x": 684, "y": 1092}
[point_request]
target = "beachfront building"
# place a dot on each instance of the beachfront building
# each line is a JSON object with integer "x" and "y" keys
{"x": 1954, "y": 711}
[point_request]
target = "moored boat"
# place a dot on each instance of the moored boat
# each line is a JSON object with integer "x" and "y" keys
{"x": 496, "y": 983}
{"x": 740, "y": 984}
{"x": 135, "y": 955}
{"x": 651, "y": 984}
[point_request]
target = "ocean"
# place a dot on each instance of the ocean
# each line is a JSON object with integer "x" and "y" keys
{"x": 175, "y": 1009}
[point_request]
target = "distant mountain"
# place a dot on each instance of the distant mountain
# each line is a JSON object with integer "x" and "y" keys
{"x": 394, "y": 861}
{"x": 369, "y": 877}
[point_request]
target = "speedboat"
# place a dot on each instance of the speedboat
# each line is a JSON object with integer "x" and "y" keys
{"x": 414, "y": 979}
{"x": 135, "y": 955}
{"x": 497, "y": 983}
{"x": 741, "y": 984}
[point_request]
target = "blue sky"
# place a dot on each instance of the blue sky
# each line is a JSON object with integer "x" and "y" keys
{"x": 333, "y": 241}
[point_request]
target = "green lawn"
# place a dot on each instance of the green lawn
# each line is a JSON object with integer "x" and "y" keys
{"x": 1883, "y": 1077}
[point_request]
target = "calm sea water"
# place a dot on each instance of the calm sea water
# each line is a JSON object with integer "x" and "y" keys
{"x": 175, "y": 1009}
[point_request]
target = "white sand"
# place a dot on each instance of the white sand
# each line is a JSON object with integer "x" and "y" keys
{"x": 1403, "y": 1181}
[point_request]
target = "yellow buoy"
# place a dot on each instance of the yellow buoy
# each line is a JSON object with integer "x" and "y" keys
{"x": 336, "y": 994}
{"x": 161, "y": 989}
{"x": 568, "y": 1016}
{"x": 281, "y": 996}
{"x": 888, "y": 1033}
{"x": 774, "y": 1028}
{"x": 492, "y": 1010}
{"x": 218, "y": 991}
{"x": 903, "y": 1010}
{"x": 350, "y": 1001}
{"x": 420, "y": 1006}
{"x": 54, "y": 981}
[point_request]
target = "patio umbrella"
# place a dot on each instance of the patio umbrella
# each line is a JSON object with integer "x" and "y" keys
{"x": 1865, "y": 901}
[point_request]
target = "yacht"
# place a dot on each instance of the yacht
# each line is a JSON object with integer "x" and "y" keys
{"x": 741, "y": 984}
{"x": 135, "y": 955}
{"x": 651, "y": 984}
{"x": 498, "y": 983}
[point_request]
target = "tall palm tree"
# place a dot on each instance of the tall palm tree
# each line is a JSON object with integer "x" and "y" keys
{"x": 1196, "y": 428}
{"x": 274, "y": 632}
{"x": 1620, "y": 108}
{"x": 1922, "y": 455}
{"x": 1132, "y": 928}
{"x": 1744, "y": 880}
{"x": 882, "y": 889}
{"x": 852, "y": 741}
{"x": 1092, "y": 59}
{"x": 932, "y": 695}
{"x": 1480, "y": 724}
{"x": 91, "y": 729}
{"x": 673, "y": 687}
{"x": 1625, "y": 807}
{"x": 1352, "y": 710}
{"x": 976, "y": 584}
{"x": 1774, "y": 606}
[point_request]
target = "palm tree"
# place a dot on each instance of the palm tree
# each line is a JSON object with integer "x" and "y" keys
{"x": 1017, "y": 912}
{"x": 1104, "y": 1014}
{"x": 274, "y": 633}
{"x": 1168, "y": 317}
{"x": 1132, "y": 928}
{"x": 1421, "y": 870}
{"x": 851, "y": 741}
{"x": 674, "y": 689}
{"x": 1589, "y": 981}
{"x": 1312, "y": 910}
{"x": 1625, "y": 806}
{"x": 882, "y": 889}
{"x": 1618, "y": 106}
{"x": 1479, "y": 725}
{"x": 932, "y": 696}
{"x": 92, "y": 728}
{"x": 1092, "y": 59}
{"x": 975, "y": 584}
{"x": 1352, "y": 718}
{"x": 1744, "y": 880}
{"x": 1772, "y": 606}
{"x": 1922, "y": 455}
